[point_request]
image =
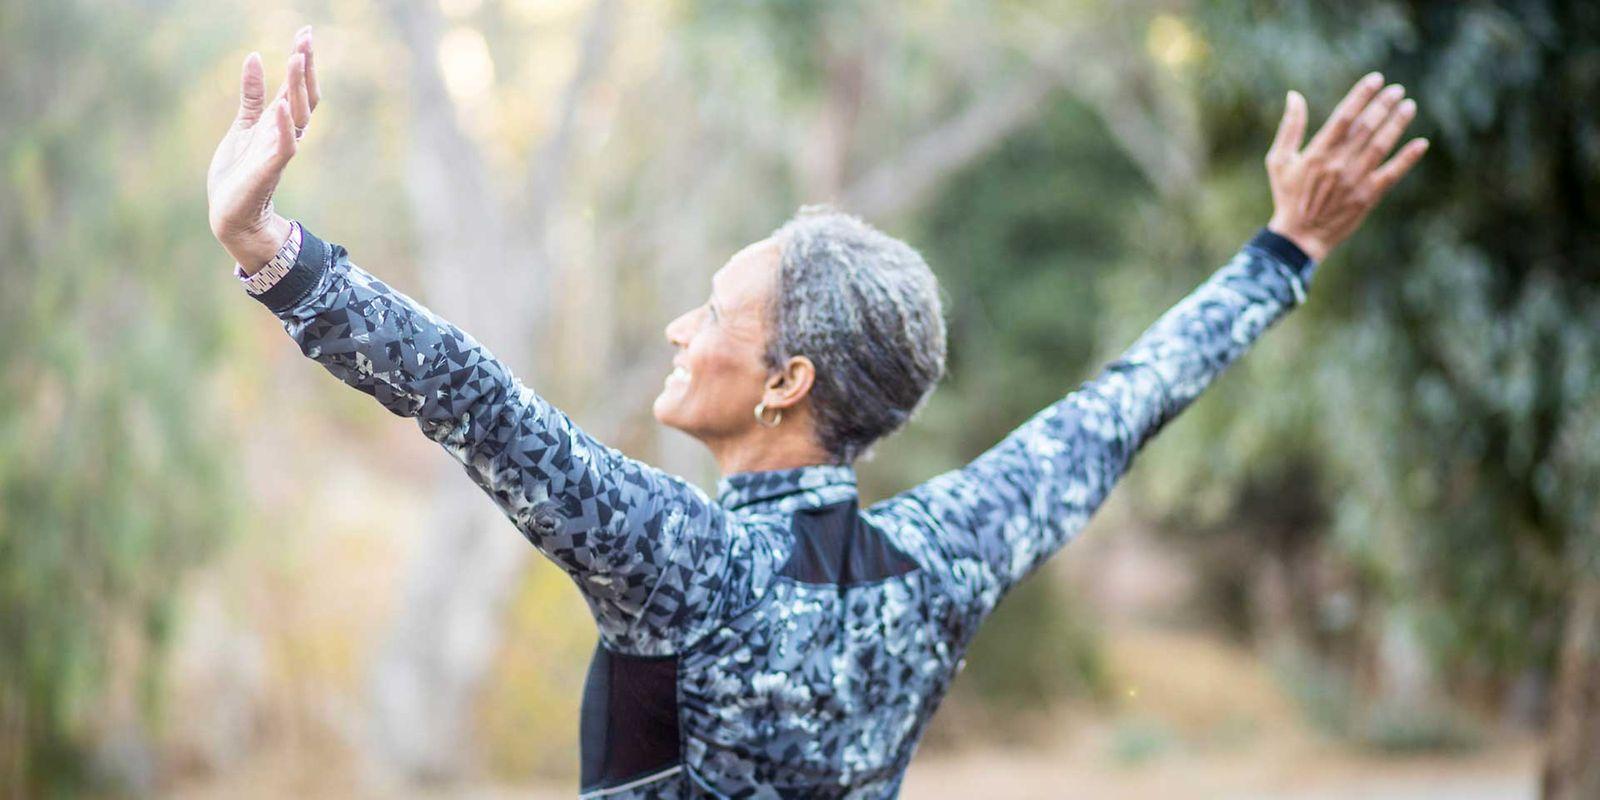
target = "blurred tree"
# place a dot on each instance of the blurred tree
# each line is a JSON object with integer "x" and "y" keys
{"x": 110, "y": 478}
{"x": 1444, "y": 387}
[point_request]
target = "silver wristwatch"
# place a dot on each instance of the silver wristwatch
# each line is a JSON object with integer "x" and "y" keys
{"x": 269, "y": 275}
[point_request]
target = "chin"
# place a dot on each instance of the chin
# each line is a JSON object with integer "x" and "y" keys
{"x": 663, "y": 411}
{"x": 670, "y": 413}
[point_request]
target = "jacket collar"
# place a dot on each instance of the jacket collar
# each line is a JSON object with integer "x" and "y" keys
{"x": 799, "y": 487}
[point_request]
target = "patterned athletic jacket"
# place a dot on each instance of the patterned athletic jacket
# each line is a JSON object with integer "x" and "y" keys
{"x": 777, "y": 640}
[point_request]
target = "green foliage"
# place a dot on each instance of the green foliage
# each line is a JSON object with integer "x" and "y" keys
{"x": 1019, "y": 241}
{"x": 807, "y": 43}
{"x": 1037, "y": 647}
{"x": 1394, "y": 730}
{"x": 109, "y": 471}
{"x": 1332, "y": 702}
{"x": 1450, "y": 368}
{"x": 1135, "y": 742}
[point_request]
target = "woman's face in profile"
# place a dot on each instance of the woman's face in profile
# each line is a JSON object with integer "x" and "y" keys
{"x": 719, "y": 371}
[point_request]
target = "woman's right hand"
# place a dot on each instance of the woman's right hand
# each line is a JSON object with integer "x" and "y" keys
{"x": 252, "y": 154}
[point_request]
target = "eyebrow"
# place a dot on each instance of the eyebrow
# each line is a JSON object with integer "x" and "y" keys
{"x": 712, "y": 294}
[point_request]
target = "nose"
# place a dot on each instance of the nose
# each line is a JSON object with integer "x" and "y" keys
{"x": 678, "y": 330}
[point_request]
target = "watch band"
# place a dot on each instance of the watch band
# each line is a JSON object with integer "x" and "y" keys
{"x": 266, "y": 277}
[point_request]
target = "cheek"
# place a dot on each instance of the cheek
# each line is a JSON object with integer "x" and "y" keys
{"x": 719, "y": 366}
{"x": 728, "y": 372}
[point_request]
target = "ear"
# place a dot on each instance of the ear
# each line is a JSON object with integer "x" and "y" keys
{"x": 791, "y": 383}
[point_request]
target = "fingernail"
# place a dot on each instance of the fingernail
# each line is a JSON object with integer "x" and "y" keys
{"x": 1409, "y": 106}
{"x": 1424, "y": 146}
{"x": 1396, "y": 90}
{"x": 1373, "y": 78}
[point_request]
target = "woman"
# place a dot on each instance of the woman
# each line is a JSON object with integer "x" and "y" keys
{"x": 777, "y": 640}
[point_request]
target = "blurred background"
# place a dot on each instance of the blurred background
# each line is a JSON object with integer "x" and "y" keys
{"x": 1365, "y": 564}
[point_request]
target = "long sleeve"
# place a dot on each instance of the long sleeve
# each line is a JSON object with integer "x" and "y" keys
{"x": 644, "y": 547}
{"x": 1026, "y": 497}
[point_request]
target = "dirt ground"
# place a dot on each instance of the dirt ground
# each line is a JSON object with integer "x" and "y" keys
{"x": 1267, "y": 771}
{"x": 1197, "y": 718}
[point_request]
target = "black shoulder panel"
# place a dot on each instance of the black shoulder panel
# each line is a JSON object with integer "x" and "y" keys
{"x": 834, "y": 545}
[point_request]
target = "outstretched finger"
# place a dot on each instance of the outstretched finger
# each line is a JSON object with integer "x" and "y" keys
{"x": 299, "y": 105}
{"x": 1385, "y": 177}
{"x": 1370, "y": 121}
{"x": 252, "y": 91}
{"x": 1291, "y": 129}
{"x": 1333, "y": 131}
{"x": 1384, "y": 140}
{"x": 303, "y": 44}
{"x": 284, "y": 133}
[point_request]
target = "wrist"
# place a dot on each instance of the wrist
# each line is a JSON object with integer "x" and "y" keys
{"x": 1306, "y": 241}
{"x": 253, "y": 250}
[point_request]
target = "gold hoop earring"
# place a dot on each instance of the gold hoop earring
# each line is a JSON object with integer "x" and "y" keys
{"x": 761, "y": 411}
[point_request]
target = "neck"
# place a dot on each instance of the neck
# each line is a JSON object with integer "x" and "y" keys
{"x": 758, "y": 458}
{"x": 763, "y": 449}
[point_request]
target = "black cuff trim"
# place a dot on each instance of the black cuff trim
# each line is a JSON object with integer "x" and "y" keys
{"x": 1281, "y": 248}
{"x": 295, "y": 284}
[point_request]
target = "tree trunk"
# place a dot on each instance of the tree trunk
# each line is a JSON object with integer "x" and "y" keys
{"x": 487, "y": 268}
{"x": 1572, "y": 760}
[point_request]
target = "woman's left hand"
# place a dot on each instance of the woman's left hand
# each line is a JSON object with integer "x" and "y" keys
{"x": 1321, "y": 194}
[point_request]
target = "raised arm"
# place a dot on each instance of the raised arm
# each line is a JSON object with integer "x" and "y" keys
{"x": 645, "y": 548}
{"x": 1023, "y": 499}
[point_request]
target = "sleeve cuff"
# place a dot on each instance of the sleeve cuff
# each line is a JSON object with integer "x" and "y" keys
{"x": 1299, "y": 265}
{"x": 1282, "y": 249}
{"x": 309, "y": 266}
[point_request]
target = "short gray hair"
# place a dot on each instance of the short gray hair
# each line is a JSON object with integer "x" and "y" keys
{"x": 864, "y": 307}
